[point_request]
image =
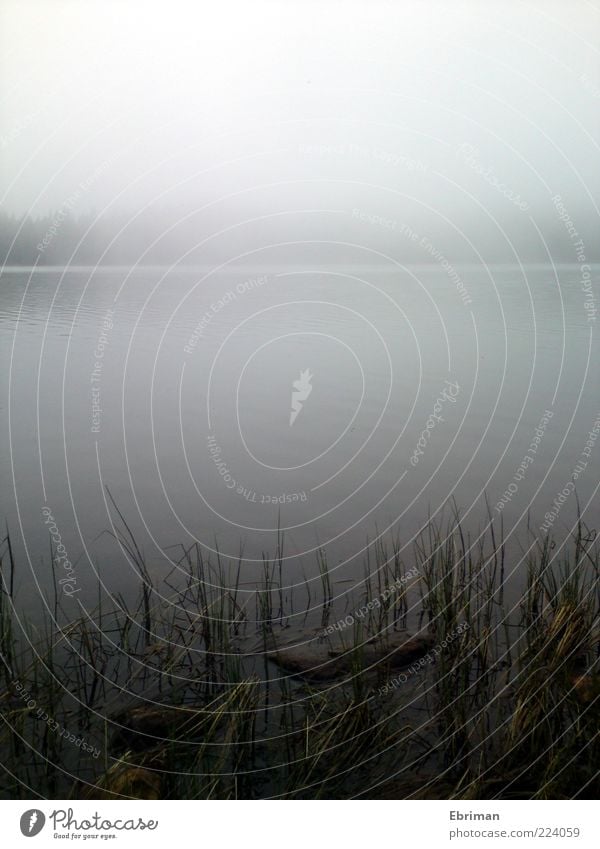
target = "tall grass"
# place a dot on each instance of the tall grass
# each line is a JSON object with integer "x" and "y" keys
{"x": 177, "y": 691}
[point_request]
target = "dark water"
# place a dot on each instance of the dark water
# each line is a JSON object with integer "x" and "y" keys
{"x": 173, "y": 388}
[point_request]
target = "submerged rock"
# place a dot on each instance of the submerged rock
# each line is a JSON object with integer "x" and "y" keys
{"x": 142, "y": 727}
{"x": 128, "y": 782}
{"x": 323, "y": 661}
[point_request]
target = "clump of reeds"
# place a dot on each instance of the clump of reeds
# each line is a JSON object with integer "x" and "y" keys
{"x": 504, "y": 704}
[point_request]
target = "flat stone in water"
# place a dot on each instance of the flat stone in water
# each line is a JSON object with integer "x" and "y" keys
{"x": 329, "y": 659}
{"x": 144, "y": 726}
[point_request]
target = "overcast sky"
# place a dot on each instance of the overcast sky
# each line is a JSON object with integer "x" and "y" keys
{"x": 181, "y": 103}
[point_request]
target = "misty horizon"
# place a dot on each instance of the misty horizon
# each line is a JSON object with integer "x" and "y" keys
{"x": 469, "y": 141}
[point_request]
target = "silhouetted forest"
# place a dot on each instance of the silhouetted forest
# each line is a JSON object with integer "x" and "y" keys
{"x": 159, "y": 237}
{"x": 61, "y": 238}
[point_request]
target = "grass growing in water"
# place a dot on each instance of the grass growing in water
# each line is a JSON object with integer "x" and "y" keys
{"x": 180, "y": 698}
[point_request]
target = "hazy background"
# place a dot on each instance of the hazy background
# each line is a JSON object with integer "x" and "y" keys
{"x": 359, "y": 159}
{"x": 178, "y": 105}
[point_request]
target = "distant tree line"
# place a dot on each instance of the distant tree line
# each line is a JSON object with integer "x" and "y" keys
{"x": 62, "y": 238}
{"x": 66, "y": 238}
{"x": 158, "y": 238}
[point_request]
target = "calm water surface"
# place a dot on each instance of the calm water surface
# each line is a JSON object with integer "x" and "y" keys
{"x": 174, "y": 389}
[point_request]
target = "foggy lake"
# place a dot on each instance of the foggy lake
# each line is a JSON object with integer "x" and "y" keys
{"x": 299, "y": 413}
{"x": 174, "y": 389}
